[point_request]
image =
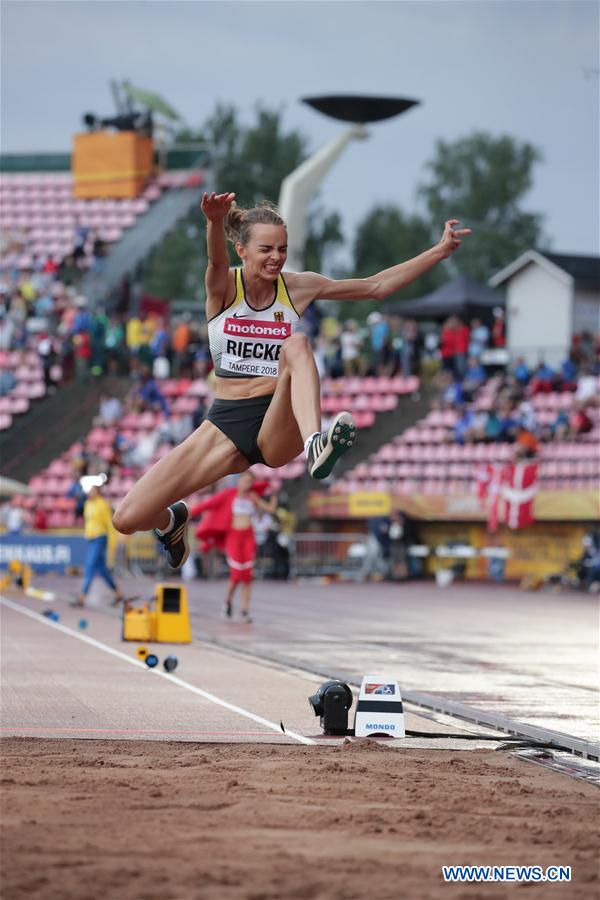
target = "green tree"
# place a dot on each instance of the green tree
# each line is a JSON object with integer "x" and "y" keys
{"x": 251, "y": 160}
{"x": 482, "y": 180}
{"x": 175, "y": 269}
{"x": 385, "y": 237}
{"x": 323, "y": 238}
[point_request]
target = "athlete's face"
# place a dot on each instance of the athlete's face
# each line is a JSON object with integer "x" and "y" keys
{"x": 265, "y": 253}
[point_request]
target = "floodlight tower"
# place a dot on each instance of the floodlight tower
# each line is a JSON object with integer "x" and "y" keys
{"x": 300, "y": 186}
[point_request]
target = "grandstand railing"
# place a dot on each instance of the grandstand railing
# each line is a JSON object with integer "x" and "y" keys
{"x": 317, "y": 555}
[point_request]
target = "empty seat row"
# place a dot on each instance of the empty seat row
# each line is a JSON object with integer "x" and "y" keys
{"x": 370, "y": 385}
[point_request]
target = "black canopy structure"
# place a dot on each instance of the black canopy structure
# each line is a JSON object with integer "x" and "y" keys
{"x": 463, "y": 297}
{"x": 584, "y": 269}
{"x": 360, "y": 109}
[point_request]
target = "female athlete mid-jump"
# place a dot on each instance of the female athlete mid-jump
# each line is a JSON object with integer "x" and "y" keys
{"x": 268, "y": 393}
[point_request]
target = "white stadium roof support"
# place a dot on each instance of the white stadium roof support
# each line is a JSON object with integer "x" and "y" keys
{"x": 299, "y": 188}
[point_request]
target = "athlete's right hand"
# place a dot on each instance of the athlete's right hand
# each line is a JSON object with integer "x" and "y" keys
{"x": 216, "y": 206}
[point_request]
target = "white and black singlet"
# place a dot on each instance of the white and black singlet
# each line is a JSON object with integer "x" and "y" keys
{"x": 246, "y": 342}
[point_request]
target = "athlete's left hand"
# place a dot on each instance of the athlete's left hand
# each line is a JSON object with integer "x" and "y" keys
{"x": 451, "y": 238}
{"x": 216, "y": 206}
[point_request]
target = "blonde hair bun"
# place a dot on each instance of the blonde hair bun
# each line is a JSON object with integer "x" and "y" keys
{"x": 239, "y": 221}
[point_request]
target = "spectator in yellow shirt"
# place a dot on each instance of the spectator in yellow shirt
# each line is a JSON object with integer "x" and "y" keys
{"x": 133, "y": 334}
{"x": 99, "y": 532}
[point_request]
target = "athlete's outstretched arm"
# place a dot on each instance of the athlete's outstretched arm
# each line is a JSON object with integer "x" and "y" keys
{"x": 308, "y": 286}
{"x": 215, "y": 207}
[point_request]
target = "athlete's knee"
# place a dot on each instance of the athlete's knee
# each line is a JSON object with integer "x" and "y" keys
{"x": 296, "y": 346}
{"x": 124, "y": 519}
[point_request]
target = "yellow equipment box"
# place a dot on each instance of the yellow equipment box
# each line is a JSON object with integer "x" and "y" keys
{"x": 168, "y": 622}
{"x": 138, "y": 623}
{"x": 172, "y": 616}
{"x": 18, "y": 575}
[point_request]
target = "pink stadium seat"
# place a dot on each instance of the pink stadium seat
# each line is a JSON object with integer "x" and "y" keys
{"x": 36, "y": 390}
{"x": 390, "y": 402}
{"x": 365, "y": 419}
{"x": 411, "y": 435}
{"x": 199, "y": 388}
{"x": 361, "y": 402}
{"x": 387, "y": 453}
{"x": 152, "y": 193}
{"x": 439, "y": 452}
{"x": 19, "y": 406}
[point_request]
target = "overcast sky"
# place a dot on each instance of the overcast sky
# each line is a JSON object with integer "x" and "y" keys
{"x": 529, "y": 69}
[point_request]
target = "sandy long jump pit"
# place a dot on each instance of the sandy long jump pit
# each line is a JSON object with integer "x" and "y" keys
{"x": 118, "y": 782}
{"x": 180, "y": 821}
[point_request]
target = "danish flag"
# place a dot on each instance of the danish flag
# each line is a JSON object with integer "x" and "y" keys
{"x": 510, "y": 492}
{"x": 517, "y": 493}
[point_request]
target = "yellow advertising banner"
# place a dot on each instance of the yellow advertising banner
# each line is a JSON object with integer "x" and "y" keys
{"x": 365, "y": 505}
{"x": 544, "y": 548}
{"x": 550, "y": 506}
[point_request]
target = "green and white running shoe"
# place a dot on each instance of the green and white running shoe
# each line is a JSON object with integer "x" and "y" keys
{"x": 326, "y": 448}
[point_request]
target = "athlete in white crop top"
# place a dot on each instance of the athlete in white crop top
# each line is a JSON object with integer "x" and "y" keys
{"x": 268, "y": 392}
{"x": 242, "y": 507}
{"x": 240, "y": 543}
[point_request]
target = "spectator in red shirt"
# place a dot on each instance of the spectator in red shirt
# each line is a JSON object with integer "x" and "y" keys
{"x": 83, "y": 354}
{"x": 498, "y": 328}
{"x": 50, "y": 267}
{"x": 448, "y": 344}
{"x": 579, "y": 420}
{"x": 462, "y": 339}
{"x": 40, "y": 520}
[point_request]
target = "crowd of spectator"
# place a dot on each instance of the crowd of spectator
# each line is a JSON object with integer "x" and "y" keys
{"x": 43, "y": 308}
{"x": 389, "y": 345}
{"x": 510, "y": 414}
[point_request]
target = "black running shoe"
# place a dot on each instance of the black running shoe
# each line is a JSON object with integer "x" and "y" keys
{"x": 175, "y": 541}
{"x": 326, "y": 448}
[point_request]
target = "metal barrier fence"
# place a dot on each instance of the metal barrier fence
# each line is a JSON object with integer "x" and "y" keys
{"x": 314, "y": 554}
{"x": 142, "y": 554}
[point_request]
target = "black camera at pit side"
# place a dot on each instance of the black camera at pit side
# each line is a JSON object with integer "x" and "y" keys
{"x": 332, "y": 703}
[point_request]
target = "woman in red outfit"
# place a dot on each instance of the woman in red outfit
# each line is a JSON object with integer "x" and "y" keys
{"x": 240, "y": 544}
{"x": 228, "y": 525}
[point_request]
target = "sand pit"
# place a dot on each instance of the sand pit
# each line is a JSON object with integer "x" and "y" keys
{"x": 131, "y": 820}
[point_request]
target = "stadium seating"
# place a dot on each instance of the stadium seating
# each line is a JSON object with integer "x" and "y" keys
{"x": 421, "y": 460}
{"x": 41, "y": 208}
{"x": 27, "y": 369}
{"x": 182, "y": 396}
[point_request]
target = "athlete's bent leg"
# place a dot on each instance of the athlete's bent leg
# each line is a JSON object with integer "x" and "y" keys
{"x": 295, "y": 410}
{"x": 294, "y": 415}
{"x": 203, "y": 458}
{"x": 305, "y": 387}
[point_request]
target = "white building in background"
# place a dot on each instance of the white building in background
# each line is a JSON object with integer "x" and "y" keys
{"x": 549, "y": 298}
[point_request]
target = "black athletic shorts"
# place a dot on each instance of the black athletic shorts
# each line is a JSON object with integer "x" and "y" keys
{"x": 240, "y": 420}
